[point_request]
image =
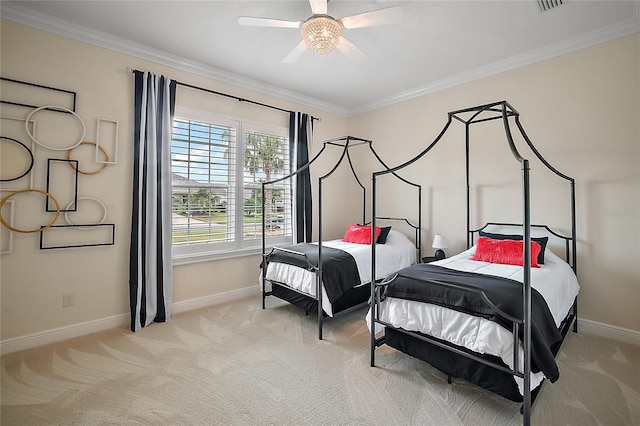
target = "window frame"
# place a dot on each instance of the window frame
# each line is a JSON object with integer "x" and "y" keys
{"x": 189, "y": 253}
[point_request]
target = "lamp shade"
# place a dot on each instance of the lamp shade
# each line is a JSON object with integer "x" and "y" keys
{"x": 439, "y": 242}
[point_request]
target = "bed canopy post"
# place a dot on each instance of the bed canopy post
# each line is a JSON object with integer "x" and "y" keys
{"x": 374, "y": 216}
{"x": 573, "y": 227}
{"x": 264, "y": 246}
{"x": 319, "y": 272}
{"x": 466, "y": 128}
{"x": 345, "y": 151}
{"x": 526, "y": 267}
{"x": 374, "y": 299}
{"x": 572, "y": 183}
{"x": 574, "y": 244}
{"x": 526, "y": 412}
{"x": 375, "y": 290}
{"x": 419, "y": 230}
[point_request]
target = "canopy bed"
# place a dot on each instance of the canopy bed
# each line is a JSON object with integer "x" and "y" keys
{"x": 333, "y": 277}
{"x": 497, "y": 313}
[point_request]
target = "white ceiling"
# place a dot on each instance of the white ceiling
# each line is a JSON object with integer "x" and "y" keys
{"x": 439, "y": 43}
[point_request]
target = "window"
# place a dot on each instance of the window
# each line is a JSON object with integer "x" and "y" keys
{"x": 218, "y": 165}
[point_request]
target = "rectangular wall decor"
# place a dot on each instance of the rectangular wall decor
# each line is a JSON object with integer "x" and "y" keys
{"x": 31, "y": 95}
{"x": 107, "y": 139}
{"x": 6, "y": 236}
{"x": 62, "y": 184}
{"x": 13, "y": 128}
{"x": 70, "y": 236}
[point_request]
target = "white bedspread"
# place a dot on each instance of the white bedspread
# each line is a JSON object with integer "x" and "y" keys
{"x": 398, "y": 252}
{"x": 555, "y": 280}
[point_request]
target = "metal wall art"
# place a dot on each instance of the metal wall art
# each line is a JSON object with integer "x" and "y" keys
{"x": 28, "y": 231}
{"x": 75, "y": 209}
{"x": 20, "y": 142}
{"x": 30, "y": 95}
{"x": 13, "y": 127}
{"x": 106, "y": 130}
{"x": 55, "y": 236}
{"x": 55, "y": 108}
{"x": 98, "y": 149}
{"x": 6, "y": 236}
{"x": 56, "y": 187}
{"x": 28, "y": 164}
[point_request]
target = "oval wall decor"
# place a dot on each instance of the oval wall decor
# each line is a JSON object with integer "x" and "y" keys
{"x": 28, "y": 231}
{"x": 27, "y": 169}
{"x": 59, "y": 109}
{"x": 95, "y": 172}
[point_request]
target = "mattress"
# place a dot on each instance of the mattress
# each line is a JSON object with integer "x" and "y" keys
{"x": 555, "y": 280}
{"x": 398, "y": 252}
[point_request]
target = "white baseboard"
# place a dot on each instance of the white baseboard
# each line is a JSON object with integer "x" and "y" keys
{"x": 15, "y": 344}
{"x": 76, "y": 330}
{"x": 609, "y": 331}
{"x": 215, "y": 299}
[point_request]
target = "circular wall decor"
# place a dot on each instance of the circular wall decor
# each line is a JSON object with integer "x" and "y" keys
{"x": 55, "y": 108}
{"x": 30, "y": 162}
{"x": 85, "y": 228}
{"x": 4, "y": 200}
{"x": 104, "y": 151}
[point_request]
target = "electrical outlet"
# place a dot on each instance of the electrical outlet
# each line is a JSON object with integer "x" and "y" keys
{"x": 68, "y": 299}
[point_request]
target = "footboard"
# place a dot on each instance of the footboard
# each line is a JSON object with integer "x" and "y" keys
{"x": 265, "y": 261}
{"x": 516, "y": 324}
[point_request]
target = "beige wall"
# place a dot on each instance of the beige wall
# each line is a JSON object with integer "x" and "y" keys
{"x": 581, "y": 110}
{"x": 33, "y": 281}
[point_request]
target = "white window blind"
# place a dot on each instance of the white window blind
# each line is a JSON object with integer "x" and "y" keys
{"x": 216, "y": 185}
{"x": 266, "y": 158}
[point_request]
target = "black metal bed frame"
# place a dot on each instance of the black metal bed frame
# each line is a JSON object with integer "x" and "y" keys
{"x": 498, "y": 110}
{"x": 345, "y": 142}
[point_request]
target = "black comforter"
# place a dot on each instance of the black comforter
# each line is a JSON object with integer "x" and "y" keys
{"x": 339, "y": 269}
{"x": 505, "y": 293}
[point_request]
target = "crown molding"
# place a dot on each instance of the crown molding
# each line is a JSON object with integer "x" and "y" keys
{"x": 80, "y": 33}
{"x": 84, "y": 34}
{"x": 630, "y": 26}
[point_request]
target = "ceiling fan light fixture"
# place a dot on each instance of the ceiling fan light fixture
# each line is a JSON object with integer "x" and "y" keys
{"x": 321, "y": 33}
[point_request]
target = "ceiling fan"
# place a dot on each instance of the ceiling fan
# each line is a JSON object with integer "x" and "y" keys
{"x": 321, "y": 32}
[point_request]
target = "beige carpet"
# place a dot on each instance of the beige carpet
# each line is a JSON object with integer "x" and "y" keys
{"x": 239, "y": 364}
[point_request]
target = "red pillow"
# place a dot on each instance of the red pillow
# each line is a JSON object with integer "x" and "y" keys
{"x": 360, "y": 234}
{"x": 508, "y": 252}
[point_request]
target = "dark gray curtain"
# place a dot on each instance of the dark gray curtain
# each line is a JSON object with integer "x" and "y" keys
{"x": 150, "y": 264}
{"x": 300, "y": 136}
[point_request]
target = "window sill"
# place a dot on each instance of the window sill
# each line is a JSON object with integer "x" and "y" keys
{"x": 185, "y": 259}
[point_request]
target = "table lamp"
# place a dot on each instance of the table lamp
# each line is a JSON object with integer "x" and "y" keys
{"x": 439, "y": 243}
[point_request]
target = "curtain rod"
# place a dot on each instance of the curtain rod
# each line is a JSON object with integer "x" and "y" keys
{"x": 226, "y": 95}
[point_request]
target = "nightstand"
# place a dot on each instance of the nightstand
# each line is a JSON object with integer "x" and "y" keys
{"x": 428, "y": 259}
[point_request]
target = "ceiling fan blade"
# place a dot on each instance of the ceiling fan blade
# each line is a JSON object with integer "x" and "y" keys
{"x": 267, "y": 22}
{"x": 349, "y": 49}
{"x": 388, "y": 16}
{"x": 295, "y": 53}
{"x": 318, "y": 7}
